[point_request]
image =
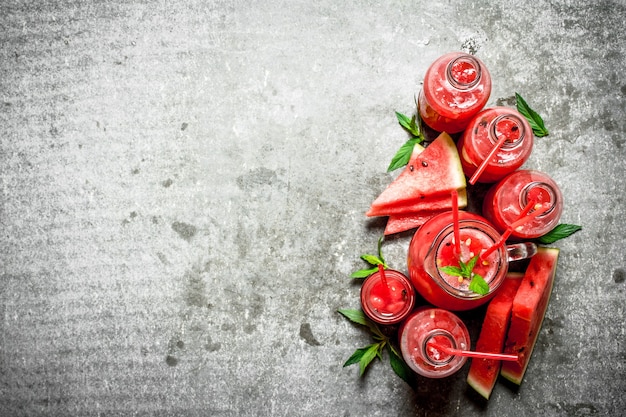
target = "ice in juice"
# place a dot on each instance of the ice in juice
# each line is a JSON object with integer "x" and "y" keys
{"x": 456, "y": 87}
{"x": 387, "y": 299}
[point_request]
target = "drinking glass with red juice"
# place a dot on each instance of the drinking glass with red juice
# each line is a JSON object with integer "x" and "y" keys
{"x": 484, "y": 132}
{"x": 433, "y": 247}
{"x": 388, "y": 298}
{"x": 456, "y": 87}
{"x": 437, "y": 326}
{"x": 505, "y": 201}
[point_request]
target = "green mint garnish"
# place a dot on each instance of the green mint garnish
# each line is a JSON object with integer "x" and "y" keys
{"x": 403, "y": 155}
{"x": 561, "y": 231}
{"x": 374, "y": 260}
{"x": 365, "y": 355}
{"x": 535, "y": 121}
{"x": 464, "y": 270}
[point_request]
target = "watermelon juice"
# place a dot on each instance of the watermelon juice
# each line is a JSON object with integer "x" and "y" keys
{"x": 483, "y": 133}
{"x": 456, "y": 87}
{"x": 388, "y": 300}
{"x": 438, "y": 326}
{"x": 433, "y": 247}
{"x": 506, "y": 200}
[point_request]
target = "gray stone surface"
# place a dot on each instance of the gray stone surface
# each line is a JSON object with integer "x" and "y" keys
{"x": 183, "y": 193}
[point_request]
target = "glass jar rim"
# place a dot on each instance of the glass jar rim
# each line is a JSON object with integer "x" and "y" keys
{"x": 501, "y": 267}
{"x": 508, "y": 144}
{"x": 460, "y": 85}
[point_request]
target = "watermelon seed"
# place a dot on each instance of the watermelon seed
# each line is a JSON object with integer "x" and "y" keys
{"x": 411, "y": 168}
{"x": 424, "y": 163}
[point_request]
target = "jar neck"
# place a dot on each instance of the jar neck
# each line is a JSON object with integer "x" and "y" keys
{"x": 540, "y": 193}
{"x": 445, "y": 241}
{"x": 511, "y": 127}
{"x": 463, "y": 72}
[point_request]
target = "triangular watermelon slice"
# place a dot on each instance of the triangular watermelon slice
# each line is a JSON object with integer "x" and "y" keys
{"x": 529, "y": 308}
{"x": 483, "y": 373}
{"x": 402, "y": 222}
{"x": 434, "y": 171}
{"x": 434, "y": 203}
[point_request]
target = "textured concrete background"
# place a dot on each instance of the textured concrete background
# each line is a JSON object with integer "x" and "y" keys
{"x": 183, "y": 193}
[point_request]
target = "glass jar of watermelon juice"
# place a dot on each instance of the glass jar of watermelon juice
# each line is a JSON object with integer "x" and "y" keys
{"x": 505, "y": 202}
{"x": 423, "y": 332}
{"x": 433, "y": 248}
{"x": 485, "y": 131}
{"x": 456, "y": 87}
{"x": 387, "y": 296}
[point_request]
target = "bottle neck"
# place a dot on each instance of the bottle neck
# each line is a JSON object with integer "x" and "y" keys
{"x": 463, "y": 72}
{"x": 540, "y": 193}
{"x": 432, "y": 354}
{"x": 510, "y": 127}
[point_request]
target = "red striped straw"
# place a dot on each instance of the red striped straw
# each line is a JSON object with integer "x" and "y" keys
{"x": 455, "y": 221}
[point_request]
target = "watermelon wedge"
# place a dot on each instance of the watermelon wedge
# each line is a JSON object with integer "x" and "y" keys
{"x": 483, "y": 373}
{"x": 434, "y": 203}
{"x": 402, "y": 222}
{"x": 434, "y": 171}
{"x": 529, "y": 307}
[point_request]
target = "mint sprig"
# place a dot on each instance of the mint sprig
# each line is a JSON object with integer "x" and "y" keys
{"x": 374, "y": 260}
{"x": 403, "y": 155}
{"x": 365, "y": 355}
{"x": 465, "y": 271}
{"x": 535, "y": 121}
{"x": 561, "y": 231}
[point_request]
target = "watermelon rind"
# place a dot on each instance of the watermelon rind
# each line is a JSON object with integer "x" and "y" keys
{"x": 529, "y": 309}
{"x": 434, "y": 171}
{"x": 483, "y": 373}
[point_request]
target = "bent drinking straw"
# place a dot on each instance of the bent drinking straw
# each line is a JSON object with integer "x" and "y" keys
{"x": 455, "y": 221}
{"x": 473, "y": 354}
{"x": 485, "y": 162}
{"x": 521, "y": 220}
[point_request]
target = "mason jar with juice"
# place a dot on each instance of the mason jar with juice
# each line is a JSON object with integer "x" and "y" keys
{"x": 435, "y": 247}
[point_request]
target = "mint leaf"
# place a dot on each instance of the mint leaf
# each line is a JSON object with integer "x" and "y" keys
{"x": 479, "y": 285}
{"x": 380, "y": 250}
{"x": 561, "y": 231}
{"x": 470, "y": 266}
{"x": 535, "y": 121}
{"x": 356, "y": 316}
{"x": 364, "y": 356}
{"x": 403, "y": 156}
{"x": 372, "y": 259}
{"x": 409, "y": 124}
{"x": 398, "y": 365}
{"x": 363, "y": 273}
{"x": 455, "y": 271}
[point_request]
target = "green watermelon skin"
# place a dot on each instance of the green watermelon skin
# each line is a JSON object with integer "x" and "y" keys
{"x": 529, "y": 308}
{"x": 434, "y": 171}
{"x": 483, "y": 373}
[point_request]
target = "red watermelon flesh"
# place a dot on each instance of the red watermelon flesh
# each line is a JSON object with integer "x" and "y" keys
{"x": 483, "y": 373}
{"x": 402, "y": 222}
{"x": 434, "y": 203}
{"x": 434, "y": 171}
{"x": 529, "y": 308}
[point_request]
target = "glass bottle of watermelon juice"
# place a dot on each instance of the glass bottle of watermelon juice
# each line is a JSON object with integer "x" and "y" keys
{"x": 428, "y": 326}
{"x": 387, "y": 298}
{"x": 433, "y": 247}
{"x": 456, "y": 87}
{"x": 505, "y": 201}
{"x": 484, "y": 132}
